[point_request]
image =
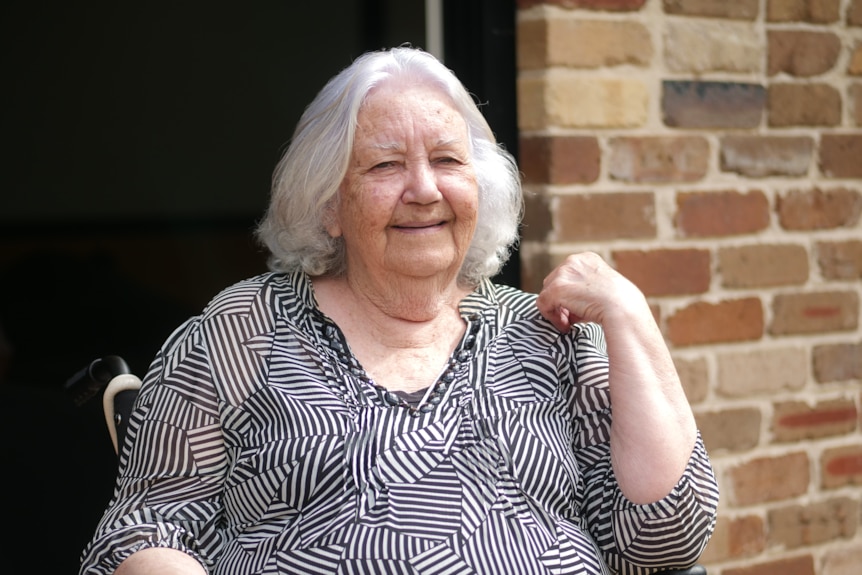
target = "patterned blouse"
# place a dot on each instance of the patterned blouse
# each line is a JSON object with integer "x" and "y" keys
{"x": 258, "y": 445}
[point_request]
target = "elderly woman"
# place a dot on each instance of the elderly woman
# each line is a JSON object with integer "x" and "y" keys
{"x": 376, "y": 404}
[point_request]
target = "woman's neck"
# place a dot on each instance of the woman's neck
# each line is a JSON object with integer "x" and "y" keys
{"x": 402, "y": 337}
{"x": 393, "y": 310}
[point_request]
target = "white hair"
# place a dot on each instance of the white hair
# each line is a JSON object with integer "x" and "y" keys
{"x": 307, "y": 178}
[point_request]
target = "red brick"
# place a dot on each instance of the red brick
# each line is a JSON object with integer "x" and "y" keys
{"x": 608, "y": 5}
{"x": 816, "y": 209}
{"x": 770, "y": 478}
{"x": 666, "y": 272}
{"x": 815, "y": 11}
{"x": 659, "y": 159}
{"x": 840, "y": 260}
{"x": 841, "y": 466}
{"x": 854, "y": 66}
{"x": 802, "y": 53}
{"x": 794, "y": 526}
{"x": 763, "y": 265}
{"x": 763, "y": 156}
{"x": 535, "y": 266}
{"x": 605, "y": 216}
{"x": 854, "y": 13}
{"x": 719, "y": 105}
{"x": 803, "y": 105}
{"x": 816, "y": 312}
{"x": 559, "y": 160}
{"x": 837, "y": 362}
{"x": 803, "y": 565}
{"x": 694, "y": 376}
{"x": 839, "y": 155}
{"x": 736, "y": 10}
{"x": 721, "y": 213}
{"x": 730, "y": 429}
{"x": 855, "y": 96}
{"x": 735, "y": 538}
{"x": 537, "y": 223}
{"x": 727, "y": 321}
{"x": 796, "y": 420}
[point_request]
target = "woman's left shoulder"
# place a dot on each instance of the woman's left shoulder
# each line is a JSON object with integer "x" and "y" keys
{"x": 520, "y": 307}
{"x": 517, "y": 301}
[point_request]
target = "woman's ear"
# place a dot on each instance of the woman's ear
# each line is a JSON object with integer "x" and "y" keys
{"x": 330, "y": 218}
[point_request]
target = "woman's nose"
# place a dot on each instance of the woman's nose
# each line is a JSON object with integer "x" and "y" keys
{"x": 421, "y": 185}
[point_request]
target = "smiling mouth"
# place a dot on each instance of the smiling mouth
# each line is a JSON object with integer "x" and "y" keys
{"x": 427, "y": 226}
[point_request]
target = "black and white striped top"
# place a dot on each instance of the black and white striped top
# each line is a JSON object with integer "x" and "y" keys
{"x": 259, "y": 446}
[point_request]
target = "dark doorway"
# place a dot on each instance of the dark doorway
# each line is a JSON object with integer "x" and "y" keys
{"x": 140, "y": 140}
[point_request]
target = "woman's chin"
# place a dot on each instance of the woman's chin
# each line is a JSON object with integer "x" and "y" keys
{"x": 426, "y": 266}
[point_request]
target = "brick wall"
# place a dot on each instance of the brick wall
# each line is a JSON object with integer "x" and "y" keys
{"x": 712, "y": 151}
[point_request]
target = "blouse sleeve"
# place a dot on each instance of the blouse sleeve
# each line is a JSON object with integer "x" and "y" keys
{"x": 634, "y": 538}
{"x": 168, "y": 490}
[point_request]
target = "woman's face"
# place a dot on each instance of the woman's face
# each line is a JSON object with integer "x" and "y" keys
{"x": 408, "y": 203}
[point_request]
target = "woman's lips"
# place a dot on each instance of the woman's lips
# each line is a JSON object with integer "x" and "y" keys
{"x": 420, "y": 226}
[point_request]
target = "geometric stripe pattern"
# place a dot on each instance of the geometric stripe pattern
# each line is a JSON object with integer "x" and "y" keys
{"x": 255, "y": 448}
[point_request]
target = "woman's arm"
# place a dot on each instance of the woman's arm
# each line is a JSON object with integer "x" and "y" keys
{"x": 162, "y": 560}
{"x": 653, "y": 430}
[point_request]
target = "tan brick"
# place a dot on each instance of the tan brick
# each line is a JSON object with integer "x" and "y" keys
{"x": 803, "y": 105}
{"x": 794, "y": 526}
{"x": 721, "y": 213}
{"x": 761, "y": 371}
{"x": 736, "y": 10}
{"x": 730, "y": 429}
{"x": 814, "y": 312}
{"x": 559, "y": 160}
{"x": 666, "y": 271}
{"x": 572, "y": 43}
{"x": 532, "y": 112}
{"x": 763, "y": 156}
{"x": 839, "y": 155}
{"x": 837, "y": 362}
{"x": 726, "y": 321}
{"x": 698, "y": 46}
{"x": 796, "y": 420}
{"x": 816, "y": 209}
{"x": 770, "y": 478}
{"x": 841, "y": 466}
{"x": 532, "y": 44}
{"x": 694, "y": 376}
{"x": 605, "y": 216}
{"x": 559, "y": 99}
{"x": 735, "y": 538}
{"x": 763, "y": 265}
{"x": 802, "y": 53}
{"x": 537, "y": 223}
{"x": 659, "y": 159}
{"x": 843, "y": 560}
{"x": 840, "y": 260}
{"x": 815, "y": 11}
